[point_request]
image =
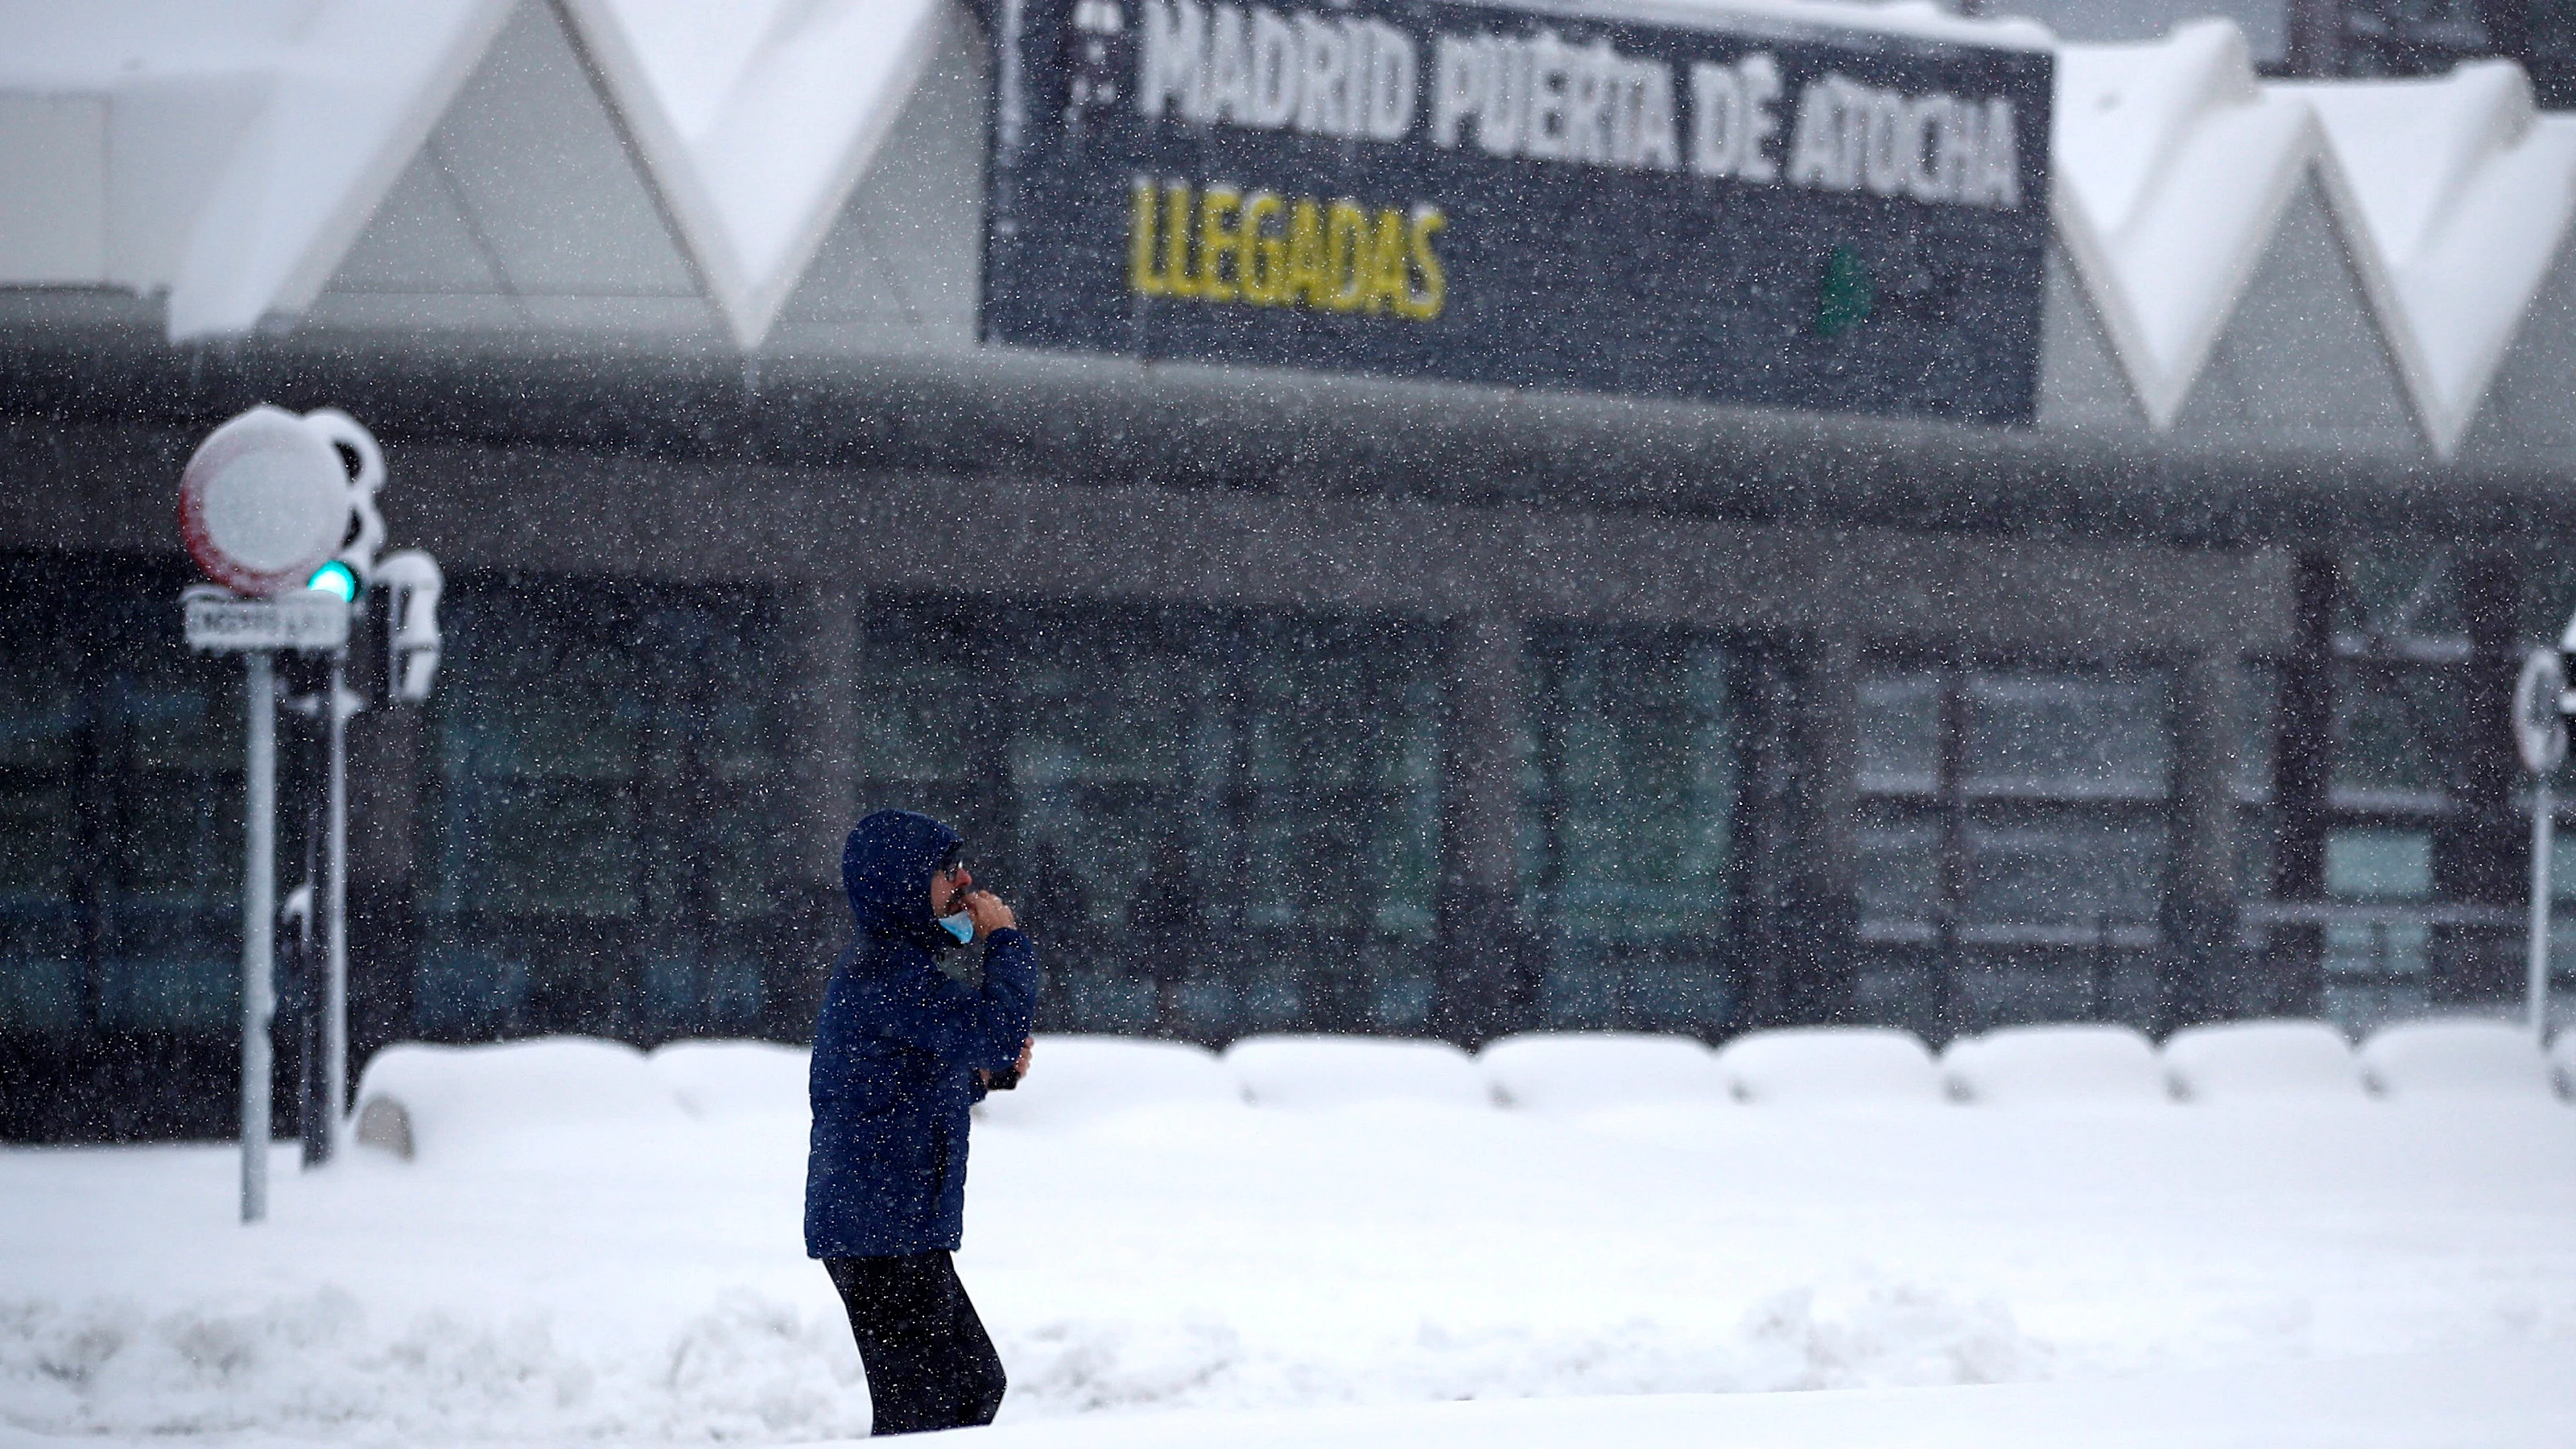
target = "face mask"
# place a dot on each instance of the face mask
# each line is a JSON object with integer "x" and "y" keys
{"x": 960, "y": 925}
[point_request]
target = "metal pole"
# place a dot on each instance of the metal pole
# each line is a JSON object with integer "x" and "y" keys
{"x": 2542, "y": 828}
{"x": 335, "y": 927}
{"x": 259, "y": 919}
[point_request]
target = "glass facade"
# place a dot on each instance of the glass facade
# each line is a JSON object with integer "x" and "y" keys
{"x": 120, "y": 808}
{"x": 1217, "y": 823}
{"x": 1631, "y": 778}
{"x": 2014, "y": 842}
{"x": 606, "y": 809}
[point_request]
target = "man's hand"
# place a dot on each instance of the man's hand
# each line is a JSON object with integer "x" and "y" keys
{"x": 1005, "y": 1080}
{"x": 988, "y": 913}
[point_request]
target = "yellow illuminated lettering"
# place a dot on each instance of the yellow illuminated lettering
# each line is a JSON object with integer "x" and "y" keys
{"x": 1140, "y": 243}
{"x": 1260, "y": 257}
{"x": 1346, "y": 239}
{"x": 1425, "y": 304}
{"x": 1176, "y": 242}
{"x": 1217, "y": 206}
{"x": 1309, "y": 282}
{"x": 1385, "y": 286}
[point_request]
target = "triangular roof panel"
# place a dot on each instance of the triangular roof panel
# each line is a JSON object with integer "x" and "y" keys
{"x": 526, "y": 208}
{"x": 2173, "y": 168}
{"x": 757, "y": 118}
{"x": 2456, "y": 194}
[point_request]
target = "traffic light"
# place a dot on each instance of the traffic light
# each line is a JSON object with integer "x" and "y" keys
{"x": 337, "y": 579}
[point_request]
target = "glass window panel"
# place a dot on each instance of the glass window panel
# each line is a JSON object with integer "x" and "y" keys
{"x": 181, "y": 840}
{"x": 2065, "y": 737}
{"x": 544, "y": 707}
{"x": 37, "y": 827}
{"x": 2399, "y": 592}
{"x": 1637, "y": 778}
{"x": 2256, "y": 727}
{"x": 166, "y": 976}
{"x": 41, "y": 714}
{"x": 1340, "y": 766}
{"x": 2379, "y": 865}
{"x": 922, "y": 668}
{"x": 196, "y": 725}
{"x": 2065, "y": 869}
{"x": 464, "y": 992}
{"x": 36, "y": 963}
{"x": 557, "y": 850}
{"x": 1899, "y": 877}
{"x": 2395, "y": 728}
{"x": 1900, "y": 734}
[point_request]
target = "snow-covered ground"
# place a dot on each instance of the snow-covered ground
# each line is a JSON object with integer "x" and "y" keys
{"x": 623, "y": 1261}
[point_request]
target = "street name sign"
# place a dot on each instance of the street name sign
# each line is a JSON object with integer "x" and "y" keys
{"x": 313, "y": 621}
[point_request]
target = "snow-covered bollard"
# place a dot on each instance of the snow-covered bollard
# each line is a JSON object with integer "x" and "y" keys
{"x": 1079, "y": 1078}
{"x": 2562, "y": 1062}
{"x": 1332, "y": 1071}
{"x": 2261, "y": 1061}
{"x": 1573, "y": 1070}
{"x": 733, "y": 1078}
{"x": 2053, "y": 1065}
{"x": 1814, "y": 1066}
{"x": 2455, "y": 1059}
{"x": 434, "y": 1098}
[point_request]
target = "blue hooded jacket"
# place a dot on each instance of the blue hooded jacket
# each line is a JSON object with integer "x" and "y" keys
{"x": 896, "y": 1051}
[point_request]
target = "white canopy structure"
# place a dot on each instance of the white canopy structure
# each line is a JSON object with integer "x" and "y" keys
{"x": 803, "y": 175}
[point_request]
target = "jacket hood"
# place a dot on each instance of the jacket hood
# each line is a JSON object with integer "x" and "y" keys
{"x": 886, "y": 869}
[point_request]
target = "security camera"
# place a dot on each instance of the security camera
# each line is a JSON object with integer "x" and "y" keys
{"x": 411, "y": 583}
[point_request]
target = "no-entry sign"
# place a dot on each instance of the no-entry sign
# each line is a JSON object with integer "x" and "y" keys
{"x": 265, "y": 501}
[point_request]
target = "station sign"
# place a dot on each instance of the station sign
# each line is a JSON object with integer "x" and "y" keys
{"x": 1655, "y": 202}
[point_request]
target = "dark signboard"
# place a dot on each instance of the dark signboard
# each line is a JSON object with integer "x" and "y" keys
{"x": 1748, "y": 211}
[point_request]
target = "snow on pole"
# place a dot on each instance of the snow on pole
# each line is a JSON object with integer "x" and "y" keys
{"x": 335, "y": 927}
{"x": 259, "y": 907}
{"x": 2539, "y": 948}
{"x": 2540, "y": 737}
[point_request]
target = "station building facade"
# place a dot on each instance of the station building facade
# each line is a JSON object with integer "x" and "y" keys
{"x": 1281, "y": 701}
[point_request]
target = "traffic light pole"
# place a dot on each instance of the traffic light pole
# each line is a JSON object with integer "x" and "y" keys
{"x": 335, "y": 923}
{"x": 259, "y": 920}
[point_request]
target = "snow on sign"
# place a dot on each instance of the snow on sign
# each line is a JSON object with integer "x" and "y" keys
{"x": 1746, "y": 210}
{"x": 266, "y": 499}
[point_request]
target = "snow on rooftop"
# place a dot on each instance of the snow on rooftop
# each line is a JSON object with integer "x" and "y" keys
{"x": 2173, "y": 167}
{"x": 1918, "y": 19}
{"x": 226, "y": 154}
{"x": 757, "y": 119}
{"x": 229, "y": 154}
{"x": 2454, "y": 193}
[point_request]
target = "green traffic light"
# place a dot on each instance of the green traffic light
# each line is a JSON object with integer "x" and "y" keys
{"x": 336, "y": 579}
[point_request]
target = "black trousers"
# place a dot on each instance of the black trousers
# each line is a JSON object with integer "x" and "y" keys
{"x": 930, "y": 1364}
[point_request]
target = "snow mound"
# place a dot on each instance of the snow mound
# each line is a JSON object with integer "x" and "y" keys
{"x": 2244, "y": 1061}
{"x": 452, "y": 1094}
{"x": 2562, "y": 1061}
{"x": 1829, "y": 1065}
{"x": 1077, "y": 1077}
{"x": 1326, "y": 1071}
{"x": 731, "y": 1078}
{"x": 2045, "y": 1065}
{"x": 2455, "y": 1058}
{"x": 1558, "y": 1071}
{"x": 319, "y": 1366}
{"x": 1872, "y": 1335}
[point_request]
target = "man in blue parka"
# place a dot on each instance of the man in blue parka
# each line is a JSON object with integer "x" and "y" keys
{"x": 900, "y": 1053}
